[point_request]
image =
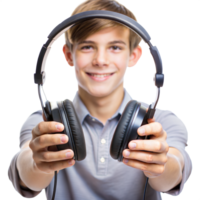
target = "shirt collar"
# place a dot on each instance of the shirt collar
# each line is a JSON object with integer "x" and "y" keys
{"x": 82, "y": 111}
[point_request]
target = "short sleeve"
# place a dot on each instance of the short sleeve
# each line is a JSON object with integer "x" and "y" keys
{"x": 14, "y": 178}
{"x": 178, "y": 136}
{"x": 25, "y": 134}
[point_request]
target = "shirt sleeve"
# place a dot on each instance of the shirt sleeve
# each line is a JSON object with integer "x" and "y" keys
{"x": 177, "y": 137}
{"x": 25, "y": 135}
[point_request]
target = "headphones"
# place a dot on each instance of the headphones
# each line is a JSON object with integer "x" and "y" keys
{"x": 134, "y": 114}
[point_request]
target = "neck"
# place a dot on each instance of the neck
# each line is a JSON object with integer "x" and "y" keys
{"x": 104, "y": 107}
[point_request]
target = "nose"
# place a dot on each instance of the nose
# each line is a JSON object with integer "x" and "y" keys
{"x": 100, "y": 58}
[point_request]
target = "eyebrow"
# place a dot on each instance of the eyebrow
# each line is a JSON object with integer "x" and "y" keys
{"x": 113, "y": 42}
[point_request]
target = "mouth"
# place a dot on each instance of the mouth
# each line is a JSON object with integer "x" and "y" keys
{"x": 99, "y": 76}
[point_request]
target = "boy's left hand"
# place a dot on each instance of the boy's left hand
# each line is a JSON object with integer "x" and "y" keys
{"x": 150, "y": 155}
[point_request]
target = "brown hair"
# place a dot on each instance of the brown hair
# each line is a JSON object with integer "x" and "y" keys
{"x": 86, "y": 28}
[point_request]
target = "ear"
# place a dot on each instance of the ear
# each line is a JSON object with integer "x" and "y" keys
{"x": 135, "y": 56}
{"x": 68, "y": 55}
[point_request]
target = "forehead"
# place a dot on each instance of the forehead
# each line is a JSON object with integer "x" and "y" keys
{"x": 120, "y": 32}
{"x": 110, "y": 35}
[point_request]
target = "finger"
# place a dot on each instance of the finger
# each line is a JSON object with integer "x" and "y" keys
{"x": 149, "y": 145}
{"x": 140, "y": 156}
{"x": 153, "y": 128}
{"x": 146, "y": 157}
{"x": 47, "y": 127}
{"x": 48, "y": 140}
{"x": 150, "y": 168}
{"x": 136, "y": 164}
{"x": 55, "y": 166}
{"x": 49, "y": 156}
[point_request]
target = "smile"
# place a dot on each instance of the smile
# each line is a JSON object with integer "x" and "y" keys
{"x": 99, "y": 77}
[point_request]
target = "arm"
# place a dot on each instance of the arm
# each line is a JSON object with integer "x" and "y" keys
{"x": 34, "y": 179}
{"x": 172, "y": 174}
{"x": 161, "y": 164}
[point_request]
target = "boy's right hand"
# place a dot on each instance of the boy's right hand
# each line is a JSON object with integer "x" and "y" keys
{"x": 43, "y": 146}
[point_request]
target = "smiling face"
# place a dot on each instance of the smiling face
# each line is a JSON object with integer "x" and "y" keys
{"x": 100, "y": 56}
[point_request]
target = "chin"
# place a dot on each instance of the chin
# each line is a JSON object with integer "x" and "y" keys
{"x": 99, "y": 93}
{"x": 99, "y": 90}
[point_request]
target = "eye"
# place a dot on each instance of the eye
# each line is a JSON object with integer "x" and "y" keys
{"x": 85, "y": 47}
{"x": 117, "y": 47}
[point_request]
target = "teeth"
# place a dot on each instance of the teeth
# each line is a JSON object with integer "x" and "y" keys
{"x": 99, "y": 75}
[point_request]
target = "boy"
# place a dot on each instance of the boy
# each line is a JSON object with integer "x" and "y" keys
{"x": 101, "y": 50}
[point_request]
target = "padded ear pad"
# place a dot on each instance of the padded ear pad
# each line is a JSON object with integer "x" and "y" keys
{"x": 76, "y": 130}
{"x": 64, "y": 112}
{"x": 126, "y": 130}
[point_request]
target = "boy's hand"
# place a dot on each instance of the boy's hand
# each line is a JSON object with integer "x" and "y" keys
{"x": 45, "y": 155}
{"x": 150, "y": 155}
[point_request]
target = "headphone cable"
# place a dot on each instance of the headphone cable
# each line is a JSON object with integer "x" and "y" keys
{"x": 55, "y": 183}
{"x": 145, "y": 188}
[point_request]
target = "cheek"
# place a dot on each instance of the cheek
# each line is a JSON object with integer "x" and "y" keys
{"x": 81, "y": 61}
{"x": 122, "y": 64}
{"x": 121, "y": 61}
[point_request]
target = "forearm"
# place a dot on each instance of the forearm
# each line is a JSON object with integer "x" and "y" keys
{"x": 30, "y": 176}
{"x": 172, "y": 174}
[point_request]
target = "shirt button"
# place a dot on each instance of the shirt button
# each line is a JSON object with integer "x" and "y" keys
{"x": 102, "y": 159}
{"x": 93, "y": 119}
{"x": 103, "y": 141}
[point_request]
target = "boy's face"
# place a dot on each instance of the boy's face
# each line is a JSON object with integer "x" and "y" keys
{"x": 101, "y": 60}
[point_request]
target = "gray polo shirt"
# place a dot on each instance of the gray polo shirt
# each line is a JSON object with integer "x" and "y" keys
{"x": 99, "y": 176}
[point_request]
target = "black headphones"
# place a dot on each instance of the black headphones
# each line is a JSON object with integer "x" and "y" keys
{"x": 134, "y": 114}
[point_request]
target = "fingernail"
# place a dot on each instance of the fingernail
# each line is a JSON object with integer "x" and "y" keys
{"x": 71, "y": 162}
{"x": 127, "y": 153}
{"x": 59, "y": 126}
{"x": 141, "y": 131}
{"x": 68, "y": 154}
{"x": 132, "y": 145}
{"x": 125, "y": 160}
{"x": 63, "y": 139}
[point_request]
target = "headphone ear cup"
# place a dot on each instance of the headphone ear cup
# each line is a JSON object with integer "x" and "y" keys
{"x": 77, "y": 132}
{"x": 121, "y": 129}
{"x": 64, "y": 113}
{"x": 126, "y": 130}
